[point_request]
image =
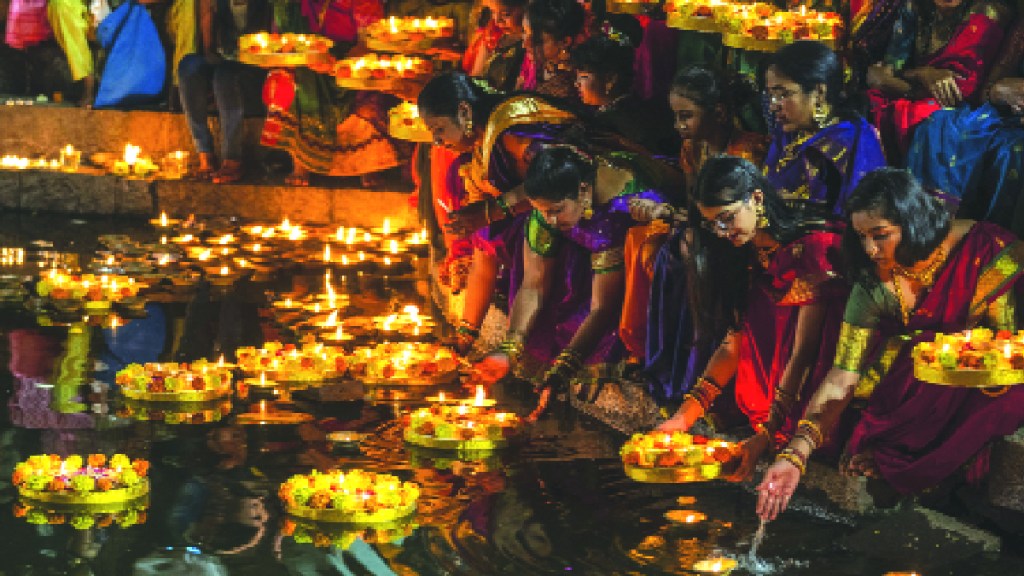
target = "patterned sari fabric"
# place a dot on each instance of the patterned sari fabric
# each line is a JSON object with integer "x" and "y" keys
{"x": 329, "y": 130}
{"x": 969, "y": 52}
{"x": 801, "y": 273}
{"x": 820, "y": 170}
{"x": 593, "y": 246}
{"x": 920, "y": 433}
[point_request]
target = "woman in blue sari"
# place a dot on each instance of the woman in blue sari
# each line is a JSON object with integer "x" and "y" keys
{"x": 977, "y": 155}
{"x": 819, "y": 151}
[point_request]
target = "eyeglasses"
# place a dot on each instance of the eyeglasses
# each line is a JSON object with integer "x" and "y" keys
{"x": 775, "y": 96}
{"x": 723, "y": 222}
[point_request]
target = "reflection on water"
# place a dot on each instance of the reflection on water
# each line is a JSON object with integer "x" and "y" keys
{"x": 558, "y": 504}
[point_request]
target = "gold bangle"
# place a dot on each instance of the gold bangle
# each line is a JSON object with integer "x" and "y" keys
{"x": 793, "y": 459}
{"x": 760, "y": 428}
{"x": 813, "y": 430}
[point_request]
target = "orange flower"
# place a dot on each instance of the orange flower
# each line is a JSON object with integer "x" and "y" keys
{"x": 320, "y": 499}
{"x": 97, "y": 460}
{"x": 141, "y": 467}
{"x": 141, "y": 517}
{"x": 287, "y": 527}
{"x": 104, "y": 484}
{"x": 20, "y": 510}
{"x": 56, "y": 519}
{"x": 105, "y": 520}
{"x": 57, "y": 485}
{"x": 19, "y": 476}
{"x": 321, "y": 540}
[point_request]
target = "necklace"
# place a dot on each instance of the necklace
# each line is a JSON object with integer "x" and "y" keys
{"x": 923, "y": 277}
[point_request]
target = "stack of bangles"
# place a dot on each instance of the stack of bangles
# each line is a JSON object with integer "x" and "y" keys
{"x": 810, "y": 433}
{"x": 511, "y": 346}
{"x": 704, "y": 392}
{"x": 566, "y": 365}
{"x": 777, "y": 412}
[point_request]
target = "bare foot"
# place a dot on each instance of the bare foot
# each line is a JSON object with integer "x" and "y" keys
{"x": 88, "y": 91}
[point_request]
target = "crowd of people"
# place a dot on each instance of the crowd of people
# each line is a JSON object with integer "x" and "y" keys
{"x": 782, "y": 226}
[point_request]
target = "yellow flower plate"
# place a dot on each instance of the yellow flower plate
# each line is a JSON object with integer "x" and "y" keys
{"x": 400, "y": 46}
{"x": 965, "y": 378}
{"x": 441, "y": 378}
{"x": 744, "y": 42}
{"x": 674, "y": 474}
{"x": 693, "y": 24}
{"x": 474, "y": 445}
{"x": 632, "y": 7}
{"x": 69, "y": 497}
{"x": 140, "y": 503}
{"x": 283, "y": 60}
{"x": 386, "y": 516}
{"x": 182, "y": 396}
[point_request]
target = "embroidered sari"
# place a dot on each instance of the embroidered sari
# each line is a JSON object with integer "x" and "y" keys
{"x": 921, "y": 433}
{"x": 977, "y": 155}
{"x": 969, "y": 53}
{"x": 820, "y": 170}
{"x": 594, "y": 246}
{"x": 327, "y": 129}
{"x": 801, "y": 273}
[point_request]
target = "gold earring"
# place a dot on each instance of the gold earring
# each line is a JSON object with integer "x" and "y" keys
{"x": 762, "y": 217}
{"x": 822, "y": 112}
{"x": 588, "y": 209}
{"x": 468, "y": 127}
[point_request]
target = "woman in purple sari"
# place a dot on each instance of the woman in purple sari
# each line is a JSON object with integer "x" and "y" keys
{"x": 819, "y": 150}
{"x": 565, "y": 314}
{"x": 917, "y": 273}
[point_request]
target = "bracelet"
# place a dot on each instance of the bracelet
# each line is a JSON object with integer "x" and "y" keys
{"x": 785, "y": 397}
{"x": 487, "y": 210}
{"x": 811, "y": 432}
{"x": 503, "y": 204}
{"x": 511, "y": 346}
{"x": 466, "y": 330}
{"x": 567, "y": 364}
{"x": 760, "y": 428}
{"x": 705, "y": 391}
{"x": 793, "y": 457}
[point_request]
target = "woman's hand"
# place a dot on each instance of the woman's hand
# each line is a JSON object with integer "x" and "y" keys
{"x": 941, "y": 84}
{"x": 648, "y": 210}
{"x": 684, "y": 418}
{"x": 750, "y": 453}
{"x": 879, "y": 75}
{"x": 470, "y": 218}
{"x": 492, "y": 368}
{"x": 1008, "y": 92}
{"x": 775, "y": 490}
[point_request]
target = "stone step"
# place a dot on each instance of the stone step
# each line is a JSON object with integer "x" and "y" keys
{"x": 100, "y": 194}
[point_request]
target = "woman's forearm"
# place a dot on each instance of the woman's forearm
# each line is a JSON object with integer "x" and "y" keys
{"x": 598, "y": 323}
{"x": 525, "y": 308}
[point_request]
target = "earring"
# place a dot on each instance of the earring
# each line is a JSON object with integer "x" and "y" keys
{"x": 588, "y": 209}
{"x": 822, "y": 112}
{"x": 467, "y": 128}
{"x": 762, "y": 218}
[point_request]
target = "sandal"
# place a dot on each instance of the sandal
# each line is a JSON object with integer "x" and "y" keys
{"x": 230, "y": 171}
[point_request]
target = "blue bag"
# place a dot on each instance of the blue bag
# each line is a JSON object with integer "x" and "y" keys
{"x": 136, "y": 65}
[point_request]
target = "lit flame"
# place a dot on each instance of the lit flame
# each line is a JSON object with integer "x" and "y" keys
{"x": 479, "y": 400}
{"x": 327, "y": 252}
{"x": 394, "y": 246}
{"x": 163, "y": 219}
{"x": 440, "y": 396}
{"x": 340, "y": 234}
{"x": 131, "y": 154}
{"x": 386, "y": 228}
{"x": 332, "y": 319}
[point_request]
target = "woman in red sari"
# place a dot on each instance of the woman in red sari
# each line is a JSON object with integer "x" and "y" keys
{"x": 769, "y": 280}
{"x": 917, "y": 273}
{"x": 938, "y": 56}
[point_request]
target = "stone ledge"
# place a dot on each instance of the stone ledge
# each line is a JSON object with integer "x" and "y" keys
{"x": 93, "y": 193}
{"x": 1006, "y": 473}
